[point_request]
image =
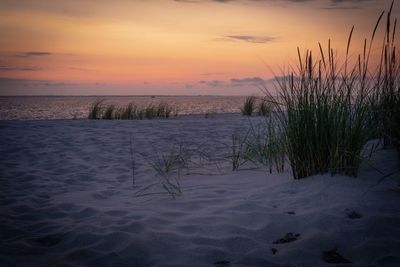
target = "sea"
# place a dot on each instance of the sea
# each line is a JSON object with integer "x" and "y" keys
{"x": 77, "y": 107}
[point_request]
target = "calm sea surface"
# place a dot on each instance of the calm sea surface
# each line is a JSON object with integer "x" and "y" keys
{"x": 68, "y": 107}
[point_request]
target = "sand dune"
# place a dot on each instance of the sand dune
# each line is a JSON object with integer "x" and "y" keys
{"x": 67, "y": 199}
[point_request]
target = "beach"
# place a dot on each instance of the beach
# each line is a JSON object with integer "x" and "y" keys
{"x": 77, "y": 193}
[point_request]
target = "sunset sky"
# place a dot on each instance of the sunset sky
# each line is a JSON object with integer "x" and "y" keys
{"x": 224, "y": 47}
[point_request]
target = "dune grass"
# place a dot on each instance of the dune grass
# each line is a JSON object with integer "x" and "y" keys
{"x": 266, "y": 146}
{"x": 109, "y": 112}
{"x": 128, "y": 113}
{"x": 386, "y": 99}
{"x": 256, "y": 106}
{"x": 96, "y": 110}
{"x": 326, "y": 119}
{"x": 264, "y": 108}
{"x": 325, "y": 108}
{"x": 260, "y": 145}
{"x": 238, "y": 154}
{"x": 168, "y": 166}
{"x": 99, "y": 110}
{"x": 249, "y": 106}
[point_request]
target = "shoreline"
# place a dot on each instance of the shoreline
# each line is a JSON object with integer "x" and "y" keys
{"x": 212, "y": 116}
{"x": 77, "y": 106}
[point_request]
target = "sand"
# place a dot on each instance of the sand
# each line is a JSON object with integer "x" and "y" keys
{"x": 67, "y": 199}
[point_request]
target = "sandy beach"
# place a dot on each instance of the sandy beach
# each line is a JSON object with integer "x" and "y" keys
{"x": 68, "y": 199}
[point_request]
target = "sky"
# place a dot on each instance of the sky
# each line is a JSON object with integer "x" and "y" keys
{"x": 168, "y": 47}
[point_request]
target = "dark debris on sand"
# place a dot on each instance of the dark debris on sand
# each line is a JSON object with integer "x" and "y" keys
{"x": 45, "y": 241}
{"x": 353, "y": 215}
{"x": 333, "y": 256}
{"x": 289, "y": 237}
{"x": 223, "y": 263}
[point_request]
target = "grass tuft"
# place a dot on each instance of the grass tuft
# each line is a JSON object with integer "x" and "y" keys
{"x": 328, "y": 111}
{"x": 99, "y": 110}
{"x": 96, "y": 109}
{"x": 238, "y": 155}
{"x": 264, "y": 108}
{"x": 109, "y": 113}
{"x": 266, "y": 146}
{"x": 386, "y": 100}
{"x": 249, "y": 106}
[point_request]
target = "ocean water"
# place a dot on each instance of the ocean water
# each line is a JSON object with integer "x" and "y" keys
{"x": 69, "y": 107}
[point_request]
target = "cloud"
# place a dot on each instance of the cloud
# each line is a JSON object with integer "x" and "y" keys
{"x": 16, "y": 81}
{"x": 253, "y": 81}
{"x": 19, "y": 68}
{"x": 348, "y": 1}
{"x": 346, "y": 4}
{"x": 233, "y": 82}
{"x": 332, "y": 2}
{"x": 69, "y": 8}
{"x": 210, "y": 83}
{"x": 33, "y": 54}
{"x": 188, "y": 1}
{"x": 341, "y": 7}
{"x": 229, "y": 1}
{"x": 249, "y": 38}
{"x": 286, "y": 78}
{"x": 19, "y": 86}
{"x": 213, "y": 83}
{"x": 99, "y": 8}
{"x": 266, "y": 1}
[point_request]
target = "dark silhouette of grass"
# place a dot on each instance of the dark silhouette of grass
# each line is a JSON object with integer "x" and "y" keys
{"x": 386, "y": 99}
{"x": 99, "y": 110}
{"x": 95, "y": 110}
{"x": 329, "y": 111}
{"x": 264, "y": 108}
{"x": 249, "y": 106}
{"x": 238, "y": 155}
{"x": 109, "y": 112}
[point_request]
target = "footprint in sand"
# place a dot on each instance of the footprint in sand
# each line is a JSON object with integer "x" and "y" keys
{"x": 289, "y": 237}
{"x": 333, "y": 256}
{"x": 45, "y": 241}
{"x": 353, "y": 215}
{"x": 223, "y": 263}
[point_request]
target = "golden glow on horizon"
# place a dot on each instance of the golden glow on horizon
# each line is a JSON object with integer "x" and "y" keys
{"x": 168, "y": 41}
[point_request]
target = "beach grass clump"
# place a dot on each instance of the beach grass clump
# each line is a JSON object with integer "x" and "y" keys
{"x": 168, "y": 167}
{"x": 325, "y": 110}
{"x": 164, "y": 110}
{"x": 96, "y": 109}
{"x": 176, "y": 158}
{"x": 109, "y": 112}
{"x": 255, "y": 106}
{"x": 150, "y": 111}
{"x": 128, "y": 112}
{"x": 99, "y": 110}
{"x": 264, "y": 108}
{"x": 386, "y": 100}
{"x": 325, "y": 118}
{"x": 259, "y": 145}
{"x": 238, "y": 150}
{"x": 249, "y": 106}
{"x": 266, "y": 146}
